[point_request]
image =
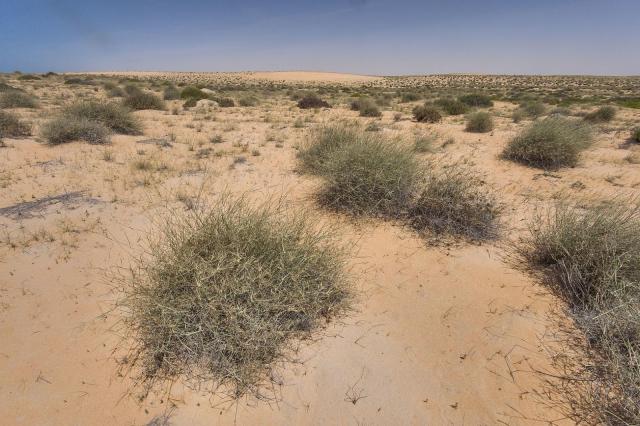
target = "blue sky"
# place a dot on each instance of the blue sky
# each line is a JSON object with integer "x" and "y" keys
{"x": 380, "y": 37}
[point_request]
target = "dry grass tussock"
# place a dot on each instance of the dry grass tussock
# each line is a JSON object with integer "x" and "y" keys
{"x": 589, "y": 255}
{"x": 225, "y": 292}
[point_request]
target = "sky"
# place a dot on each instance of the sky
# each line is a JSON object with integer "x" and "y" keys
{"x": 376, "y": 37}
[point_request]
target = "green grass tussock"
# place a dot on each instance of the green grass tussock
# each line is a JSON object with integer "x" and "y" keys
{"x": 479, "y": 122}
{"x": 64, "y": 129}
{"x": 112, "y": 115}
{"x": 602, "y": 115}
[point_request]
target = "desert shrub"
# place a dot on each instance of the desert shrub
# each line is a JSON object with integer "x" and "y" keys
{"x": 550, "y": 143}
{"x": 64, "y": 129}
{"x": 171, "y": 93}
{"x": 423, "y": 144}
{"x": 192, "y": 92}
{"x": 479, "y": 122}
{"x": 17, "y": 99}
{"x": 225, "y": 293}
{"x": 409, "y": 97}
{"x": 226, "y": 102}
{"x": 635, "y": 134}
{"x": 143, "y": 100}
{"x": 4, "y": 87}
{"x": 11, "y": 126}
{"x": 560, "y": 111}
{"x": 589, "y": 255}
{"x": 601, "y": 115}
{"x": 28, "y": 77}
{"x": 365, "y": 173}
{"x": 427, "y": 114}
{"x": 518, "y": 115}
{"x": 452, "y": 106}
{"x": 533, "y": 109}
{"x": 312, "y": 101}
{"x": 367, "y": 107}
{"x": 131, "y": 89}
{"x": 113, "y": 90}
{"x": 79, "y": 81}
{"x": 476, "y": 100}
{"x": 248, "y": 101}
{"x": 190, "y": 103}
{"x": 455, "y": 201}
{"x": 112, "y": 115}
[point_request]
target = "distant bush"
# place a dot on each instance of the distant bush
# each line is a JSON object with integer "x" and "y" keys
{"x": 248, "y": 101}
{"x": 518, "y": 115}
{"x": 226, "y": 102}
{"x": 560, "y": 111}
{"x": 366, "y": 106}
{"x": 423, "y": 144}
{"x": 550, "y": 143}
{"x": 28, "y": 77}
{"x": 190, "y": 103}
{"x": 4, "y": 87}
{"x": 64, "y": 129}
{"x": 113, "y": 90}
{"x": 312, "y": 101}
{"x": 601, "y": 115}
{"x": 452, "y": 106}
{"x": 114, "y": 116}
{"x": 455, "y": 201}
{"x": 11, "y": 126}
{"x": 139, "y": 100}
{"x": 479, "y": 122}
{"x": 476, "y": 100}
{"x": 365, "y": 173}
{"x": 191, "y": 92}
{"x": 16, "y": 99}
{"x": 635, "y": 134}
{"x": 427, "y": 114}
{"x": 409, "y": 97}
{"x": 171, "y": 93}
{"x": 79, "y": 81}
{"x": 131, "y": 89}
{"x": 533, "y": 109}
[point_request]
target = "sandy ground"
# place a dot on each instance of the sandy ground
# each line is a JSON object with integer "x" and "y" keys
{"x": 440, "y": 335}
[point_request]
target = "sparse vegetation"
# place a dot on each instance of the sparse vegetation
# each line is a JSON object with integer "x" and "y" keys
{"x": 427, "y": 114}
{"x": 602, "y": 115}
{"x": 11, "y": 126}
{"x": 64, "y": 129}
{"x": 112, "y": 115}
{"x": 550, "y": 143}
{"x": 225, "y": 292}
{"x": 171, "y": 93}
{"x": 191, "y": 92}
{"x": 533, "y": 109}
{"x": 139, "y": 100}
{"x": 479, "y": 122}
{"x": 476, "y": 100}
{"x": 423, "y": 144}
{"x": 452, "y": 106}
{"x": 635, "y": 134}
{"x": 312, "y": 101}
{"x": 17, "y": 99}
{"x": 589, "y": 255}
{"x": 226, "y": 102}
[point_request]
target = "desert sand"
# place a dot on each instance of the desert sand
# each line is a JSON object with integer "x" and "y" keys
{"x": 449, "y": 334}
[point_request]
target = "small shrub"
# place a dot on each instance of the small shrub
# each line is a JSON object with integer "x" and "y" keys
{"x": 452, "y": 106}
{"x": 423, "y": 144}
{"x": 456, "y": 202}
{"x": 635, "y": 134}
{"x": 11, "y": 126}
{"x": 427, "y": 114}
{"x": 171, "y": 93}
{"x": 368, "y": 108}
{"x": 226, "y": 292}
{"x": 191, "y": 92}
{"x": 64, "y": 129}
{"x": 79, "y": 81}
{"x": 248, "y": 101}
{"x": 226, "y": 102}
{"x": 602, "y": 115}
{"x": 476, "y": 100}
{"x": 112, "y": 115}
{"x": 16, "y": 99}
{"x": 113, "y": 90}
{"x": 560, "y": 111}
{"x": 365, "y": 173}
{"x": 550, "y": 143}
{"x": 190, "y": 103}
{"x": 589, "y": 255}
{"x": 409, "y": 97}
{"x": 143, "y": 100}
{"x": 312, "y": 101}
{"x": 533, "y": 109}
{"x": 479, "y": 122}
{"x": 518, "y": 115}
{"x": 28, "y": 77}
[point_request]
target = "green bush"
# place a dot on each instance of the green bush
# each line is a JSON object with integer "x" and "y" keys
{"x": 452, "y": 106}
{"x": 550, "y": 143}
{"x": 601, "y": 115}
{"x": 427, "y": 114}
{"x": 226, "y": 102}
{"x": 366, "y": 106}
{"x": 191, "y": 92}
{"x": 171, "y": 93}
{"x": 365, "y": 174}
{"x": 533, "y": 109}
{"x": 64, "y": 129}
{"x": 455, "y": 201}
{"x": 112, "y": 115}
{"x": 16, "y": 99}
{"x": 479, "y": 122}
{"x": 139, "y": 100}
{"x": 113, "y": 90}
{"x": 589, "y": 255}
{"x": 225, "y": 292}
{"x": 311, "y": 102}
{"x": 476, "y": 100}
{"x": 409, "y": 97}
{"x": 12, "y": 127}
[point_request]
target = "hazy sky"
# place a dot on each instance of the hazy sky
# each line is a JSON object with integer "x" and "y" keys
{"x": 361, "y": 36}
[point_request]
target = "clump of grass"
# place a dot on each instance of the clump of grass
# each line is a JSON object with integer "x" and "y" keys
{"x": 17, "y": 99}
{"x": 550, "y": 143}
{"x": 171, "y": 93}
{"x": 589, "y": 255}
{"x": 476, "y": 100}
{"x": 479, "y": 122}
{"x": 311, "y": 101}
{"x": 139, "y": 100}
{"x": 635, "y": 134}
{"x": 455, "y": 201}
{"x": 225, "y": 293}
{"x": 533, "y": 109}
{"x": 427, "y": 114}
{"x": 112, "y": 115}
{"x": 602, "y": 115}
{"x": 192, "y": 92}
{"x": 226, "y": 102}
{"x": 423, "y": 144}
{"x": 11, "y": 126}
{"x": 365, "y": 173}
{"x": 409, "y": 97}
{"x": 64, "y": 129}
{"x": 366, "y": 106}
{"x": 452, "y": 106}
{"x": 28, "y": 77}
{"x": 248, "y": 101}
